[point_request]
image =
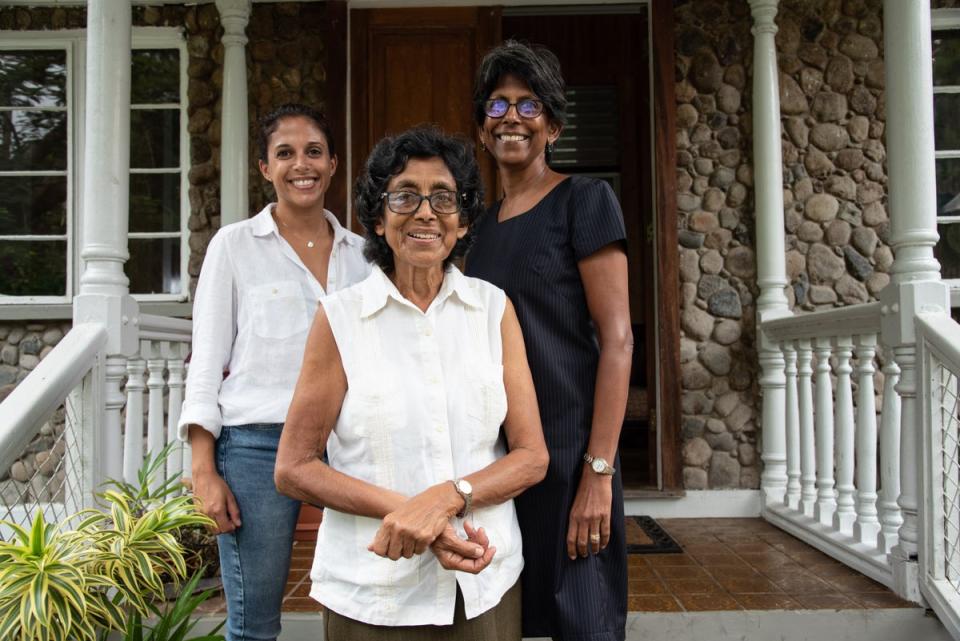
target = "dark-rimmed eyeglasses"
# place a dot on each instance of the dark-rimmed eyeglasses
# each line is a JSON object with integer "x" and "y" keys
{"x": 404, "y": 203}
{"x": 526, "y": 108}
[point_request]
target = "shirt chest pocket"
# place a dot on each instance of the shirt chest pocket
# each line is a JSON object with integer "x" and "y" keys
{"x": 486, "y": 399}
{"x": 278, "y": 309}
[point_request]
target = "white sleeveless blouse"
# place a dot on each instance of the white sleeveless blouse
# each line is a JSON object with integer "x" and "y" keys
{"x": 424, "y": 405}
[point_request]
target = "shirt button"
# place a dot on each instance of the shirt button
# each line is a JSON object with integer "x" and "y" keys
{"x": 427, "y": 331}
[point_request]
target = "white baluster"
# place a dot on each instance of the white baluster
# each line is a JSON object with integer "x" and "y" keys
{"x": 909, "y": 445}
{"x": 112, "y": 430}
{"x": 808, "y": 452}
{"x": 156, "y": 438}
{"x": 866, "y": 527}
{"x": 133, "y": 431}
{"x": 889, "y": 510}
{"x": 826, "y": 498}
{"x": 846, "y": 513}
{"x": 792, "y": 499}
{"x": 175, "y": 354}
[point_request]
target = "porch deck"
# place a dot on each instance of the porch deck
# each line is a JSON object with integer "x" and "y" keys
{"x": 727, "y": 564}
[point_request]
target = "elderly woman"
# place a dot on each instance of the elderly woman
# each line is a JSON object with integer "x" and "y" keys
{"x": 407, "y": 380}
{"x": 555, "y": 243}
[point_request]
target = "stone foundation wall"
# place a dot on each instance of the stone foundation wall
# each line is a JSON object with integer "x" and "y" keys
{"x": 830, "y": 54}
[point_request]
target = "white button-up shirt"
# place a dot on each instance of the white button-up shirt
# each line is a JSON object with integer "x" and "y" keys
{"x": 424, "y": 405}
{"x": 252, "y": 312}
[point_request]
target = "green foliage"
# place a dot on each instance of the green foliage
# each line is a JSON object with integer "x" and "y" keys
{"x": 59, "y": 584}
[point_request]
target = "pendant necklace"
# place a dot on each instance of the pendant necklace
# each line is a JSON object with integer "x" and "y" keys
{"x": 310, "y": 243}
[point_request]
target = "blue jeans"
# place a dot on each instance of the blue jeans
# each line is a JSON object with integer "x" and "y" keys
{"x": 254, "y": 558}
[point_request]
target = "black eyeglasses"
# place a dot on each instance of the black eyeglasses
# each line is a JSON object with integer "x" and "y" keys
{"x": 404, "y": 203}
{"x": 527, "y": 108}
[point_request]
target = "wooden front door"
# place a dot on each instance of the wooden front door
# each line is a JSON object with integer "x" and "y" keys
{"x": 415, "y": 66}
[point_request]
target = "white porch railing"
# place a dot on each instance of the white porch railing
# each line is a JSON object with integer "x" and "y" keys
{"x": 833, "y": 499}
{"x": 938, "y": 339}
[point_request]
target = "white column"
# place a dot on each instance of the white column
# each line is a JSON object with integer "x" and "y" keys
{"x": 915, "y": 276}
{"x": 771, "y": 268}
{"x": 234, "y": 134}
{"x": 104, "y": 295}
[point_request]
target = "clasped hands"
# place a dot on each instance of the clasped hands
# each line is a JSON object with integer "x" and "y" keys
{"x": 422, "y": 522}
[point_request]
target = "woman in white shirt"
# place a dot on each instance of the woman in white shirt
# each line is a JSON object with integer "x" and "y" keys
{"x": 256, "y": 297}
{"x": 407, "y": 379}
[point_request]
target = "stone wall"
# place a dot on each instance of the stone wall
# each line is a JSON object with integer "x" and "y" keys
{"x": 830, "y": 54}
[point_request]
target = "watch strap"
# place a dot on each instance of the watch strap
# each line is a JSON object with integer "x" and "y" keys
{"x": 466, "y": 496}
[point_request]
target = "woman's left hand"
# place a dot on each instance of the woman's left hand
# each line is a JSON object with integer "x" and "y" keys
{"x": 412, "y": 527}
{"x": 588, "y": 529}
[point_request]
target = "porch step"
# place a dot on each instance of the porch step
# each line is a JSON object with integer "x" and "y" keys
{"x": 890, "y": 624}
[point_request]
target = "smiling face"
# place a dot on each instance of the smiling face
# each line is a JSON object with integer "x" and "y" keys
{"x": 423, "y": 239}
{"x": 299, "y": 163}
{"x": 513, "y": 140}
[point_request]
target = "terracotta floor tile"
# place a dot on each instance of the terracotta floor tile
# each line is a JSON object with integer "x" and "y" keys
{"x": 662, "y": 560}
{"x": 636, "y": 560}
{"x": 641, "y": 573}
{"x": 692, "y": 586}
{"x": 302, "y": 590}
{"x": 767, "y": 602}
{"x": 830, "y": 568}
{"x": 646, "y": 587}
{"x": 708, "y": 602}
{"x": 835, "y": 601}
{"x": 745, "y": 585}
{"x": 803, "y": 584}
{"x": 301, "y": 604}
{"x": 749, "y": 548}
{"x": 653, "y": 603}
{"x": 878, "y": 600}
{"x": 681, "y": 572}
{"x": 697, "y": 549}
{"x": 731, "y": 571}
{"x": 708, "y": 560}
{"x": 856, "y": 583}
{"x": 810, "y": 557}
{"x": 767, "y": 560}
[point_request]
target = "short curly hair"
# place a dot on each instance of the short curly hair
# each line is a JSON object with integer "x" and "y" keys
{"x": 269, "y": 123}
{"x": 389, "y": 158}
{"x": 534, "y": 64}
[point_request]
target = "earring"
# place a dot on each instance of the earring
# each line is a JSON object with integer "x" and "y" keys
{"x": 483, "y": 147}
{"x": 550, "y": 148}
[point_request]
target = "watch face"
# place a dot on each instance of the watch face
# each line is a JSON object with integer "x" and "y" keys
{"x": 598, "y": 465}
{"x": 465, "y": 486}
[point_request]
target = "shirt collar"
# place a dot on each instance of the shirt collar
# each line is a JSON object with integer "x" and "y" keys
{"x": 264, "y": 225}
{"x": 378, "y": 288}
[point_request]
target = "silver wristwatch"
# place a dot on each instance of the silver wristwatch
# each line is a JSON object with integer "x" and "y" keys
{"x": 465, "y": 490}
{"x": 599, "y": 465}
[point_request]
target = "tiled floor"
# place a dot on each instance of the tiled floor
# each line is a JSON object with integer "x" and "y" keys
{"x": 727, "y": 564}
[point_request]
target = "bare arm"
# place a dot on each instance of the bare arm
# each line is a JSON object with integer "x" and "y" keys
{"x": 313, "y": 413}
{"x": 604, "y": 276}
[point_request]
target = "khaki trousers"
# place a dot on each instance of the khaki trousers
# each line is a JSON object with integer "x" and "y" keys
{"x": 499, "y": 623}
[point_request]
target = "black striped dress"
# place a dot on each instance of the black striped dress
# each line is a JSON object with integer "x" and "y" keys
{"x": 533, "y": 257}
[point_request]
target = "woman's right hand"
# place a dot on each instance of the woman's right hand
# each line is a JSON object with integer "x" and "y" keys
{"x": 216, "y": 500}
{"x": 454, "y": 553}
{"x": 210, "y": 491}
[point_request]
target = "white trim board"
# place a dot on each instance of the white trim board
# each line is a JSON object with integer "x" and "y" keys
{"x": 698, "y": 504}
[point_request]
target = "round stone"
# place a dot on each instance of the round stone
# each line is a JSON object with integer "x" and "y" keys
{"x": 858, "y": 47}
{"x": 849, "y": 159}
{"x": 809, "y": 232}
{"x": 711, "y": 262}
{"x": 823, "y": 264}
{"x": 703, "y": 221}
{"x": 29, "y": 361}
{"x": 850, "y": 290}
{"x": 862, "y": 101}
{"x": 716, "y": 359}
{"x": 874, "y": 214}
{"x": 724, "y": 471}
{"x": 710, "y": 284}
{"x": 52, "y": 336}
{"x": 20, "y": 472}
{"x": 728, "y": 99}
{"x": 706, "y": 74}
{"x": 792, "y": 99}
{"x": 859, "y": 128}
{"x": 821, "y": 295}
{"x": 829, "y": 136}
{"x": 736, "y": 195}
{"x": 821, "y": 208}
{"x": 713, "y": 200}
{"x": 726, "y": 332}
{"x": 696, "y": 323}
{"x": 746, "y": 454}
{"x": 687, "y": 115}
{"x": 726, "y": 403}
{"x": 716, "y": 426}
{"x": 796, "y": 262}
{"x": 841, "y": 186}
{"x": 837, "y": 233}
{"x": 798, "y": 131}
{"x": 724, "y": 442}
{"x": 688, "y": 350}
{"x": 741, "y": 262}
{"x": 694, "y": 376}
{"x": 869, "y": 192}
{"x": 696, "y": 452}
{"x": 883, "y": 258}
{"x": 839, "y": 73}
{"x": 689, "y": 266}
{"x": 865, "y": 240}
{"x": 829, "y": 106}
{"x": 816, "y": 163}
{"x": 694, "y": 478}
{"x": 876, "y": 282}
{"x": 726, "y": 304}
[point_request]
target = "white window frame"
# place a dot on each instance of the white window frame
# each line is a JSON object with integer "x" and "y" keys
{"x": 946, "y": 20}
{"x": 74, "y": 42}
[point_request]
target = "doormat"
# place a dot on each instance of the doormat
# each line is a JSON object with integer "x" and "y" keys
{"x": 645, "y": 536}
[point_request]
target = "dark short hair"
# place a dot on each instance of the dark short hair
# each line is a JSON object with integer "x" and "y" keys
{"x": 390, "y": 158}
{"x": 270, "y": 122}
{"x": 534, "y": 64}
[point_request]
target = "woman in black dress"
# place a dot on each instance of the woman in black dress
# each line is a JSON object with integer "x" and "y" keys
{"x": 555, "y": 243}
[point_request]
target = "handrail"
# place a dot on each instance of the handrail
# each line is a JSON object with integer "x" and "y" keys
{"x": 943, "y": 334}
{"x": 39, "y": 394}
{"x": 855, "y": 319}
{"x": 954, "y": 293}
{"x": 164, "y": 328}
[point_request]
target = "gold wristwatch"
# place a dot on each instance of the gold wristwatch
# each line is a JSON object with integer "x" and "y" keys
{"x": 598, "y": 465}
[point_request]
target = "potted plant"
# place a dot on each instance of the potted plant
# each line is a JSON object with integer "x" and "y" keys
{"x": 101, "y": 571}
